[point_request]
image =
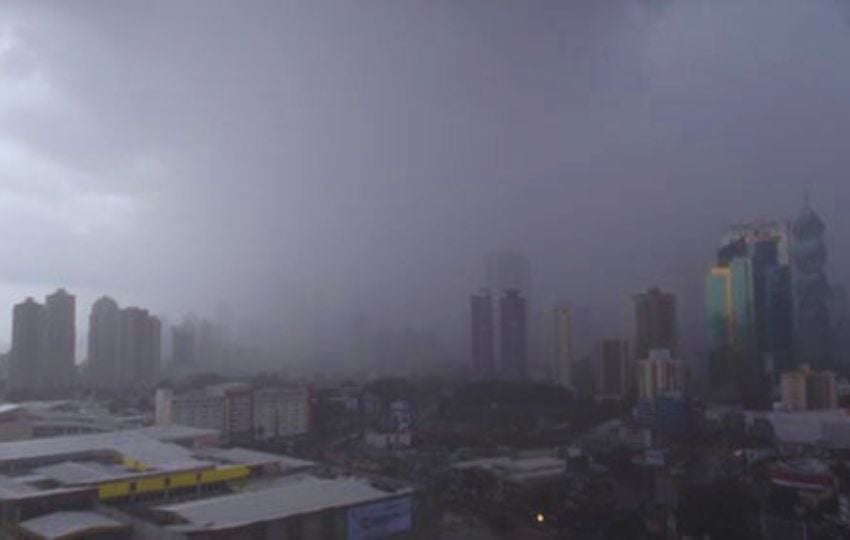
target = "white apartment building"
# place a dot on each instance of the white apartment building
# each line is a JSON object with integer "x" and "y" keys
{"x": 238, "y": 411}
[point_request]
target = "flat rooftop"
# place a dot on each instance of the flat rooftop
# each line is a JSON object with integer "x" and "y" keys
{"x": 150, "y": 446}
{"x": 64, "y": 524}
{"x": 254, "y": 458}
{"x": 295, "y": 496}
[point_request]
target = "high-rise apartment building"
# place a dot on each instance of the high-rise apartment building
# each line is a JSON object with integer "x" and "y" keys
{"x": 42, "y": 359}
{"x": 563, "y": 365}
{"x": 140, "y": 347}
{"x": 104, "y": 348}
{"x": 60, "y": 342}
{"x": 124, "y": 346}
{"x": 483, "y": 336}
{"x": 27, "y": 354}
{"x": 655, "y": 322}
{"x": 513, "y": 336}
{"x": 611, "y": 370}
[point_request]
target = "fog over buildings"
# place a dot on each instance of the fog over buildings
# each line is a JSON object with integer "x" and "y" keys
{"x": 325, "y": 168}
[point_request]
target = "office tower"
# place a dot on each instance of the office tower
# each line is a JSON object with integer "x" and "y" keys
{"x": 655, "y": 322}
{"x": 25, "y": 358}
{"x": 811, "y": 291}
{"x": 483, "y": 338}
{"x": 611, "y": 370}
{"x": 140, "y": 336}
{"x": 718, "y": 301}
{"x": 59, "y": 369}
{"x": 748, "y": 298}
{"x": 564, "y": 347}
{"x": 659, "y": 374}
{"x": 513, "y": 346}
{"x": 104, "y": 348}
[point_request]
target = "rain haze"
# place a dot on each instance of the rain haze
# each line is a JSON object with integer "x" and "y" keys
{"x": 314, "y": 165}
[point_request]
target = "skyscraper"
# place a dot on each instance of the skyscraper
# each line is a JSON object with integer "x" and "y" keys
{"x": 104, "y": 348}
{"x": 748, "y": 298}
{"x": 655, "y": 322}
{"x": 811, "y": 291}
{"x": 26, "y": 356}
{"x": 140, "y": 348}
{"x": 611, "y": 369}
{"x": 564, "y": 347}
{"x": 483, "y": 336}
{"x": 513, "y": 344}
{"x": 124, "y": 347}
{"x": 60, "y": 342}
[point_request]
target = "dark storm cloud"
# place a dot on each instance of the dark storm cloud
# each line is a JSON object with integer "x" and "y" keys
{"x": 308, "y": 160}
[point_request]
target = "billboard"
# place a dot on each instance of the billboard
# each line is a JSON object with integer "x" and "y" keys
{"x": 380, "y": 519}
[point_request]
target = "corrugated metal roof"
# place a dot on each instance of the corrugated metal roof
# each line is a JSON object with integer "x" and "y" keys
{"x": 254, "y": 458}
{"x": 306, "y": 495}
{"x": 62, "y": 524}
{"x": 145, "y": 445}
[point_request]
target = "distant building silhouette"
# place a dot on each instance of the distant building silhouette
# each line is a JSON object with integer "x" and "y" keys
{"x": 564, "y": 360}
{"x": 655, "y": 322}
{"x": 612, "y": 370}
{"x": 60, "y": 342}
{"x": 140, "y": 348}
{"x": 42, "y": 359}
{"x": 811, "y": 291}
{"x": 27, "y": 353}
{"x": 184, "y": 341}
{"x": 104, "y": 347}
{"x": 513, "y": 336}
{"x": 483, "y": 335}
{"x": 124, "y": 347}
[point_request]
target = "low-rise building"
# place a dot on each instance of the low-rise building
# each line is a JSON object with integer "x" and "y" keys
{"x": 281, "y": 412}
{"x": 175, "y": 483}
{"x": 238, "y": 410}
{"x": 658, "y": 375}
{"x": 805, "y": 390}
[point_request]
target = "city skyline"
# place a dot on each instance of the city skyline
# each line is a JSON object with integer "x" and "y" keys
{"x": 300, "y": 187}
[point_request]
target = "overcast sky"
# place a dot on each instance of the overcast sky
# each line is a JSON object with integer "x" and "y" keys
{"x": 305, "y": 161}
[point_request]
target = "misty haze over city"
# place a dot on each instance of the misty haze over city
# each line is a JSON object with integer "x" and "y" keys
{"x": 309, "y": 165}
{"x": 425, "y": 269}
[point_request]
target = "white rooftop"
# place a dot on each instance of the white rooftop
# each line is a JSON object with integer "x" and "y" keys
{"x": 254, "y": 458}
{"x": 144, "y": 445}
{"x": 304, "y": 495}
{"x": 62, "y": 524}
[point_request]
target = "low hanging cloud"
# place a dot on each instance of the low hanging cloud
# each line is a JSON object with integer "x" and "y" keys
{"x": 306, "y": 162}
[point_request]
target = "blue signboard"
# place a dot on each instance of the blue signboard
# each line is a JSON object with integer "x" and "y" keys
{"x": 380, "y": 520}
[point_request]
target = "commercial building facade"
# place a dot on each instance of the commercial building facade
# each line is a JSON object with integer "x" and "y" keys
{"x": 655, "y": 322}
{"x": 239, "y": 411}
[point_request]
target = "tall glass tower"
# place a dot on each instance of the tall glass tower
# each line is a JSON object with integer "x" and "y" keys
{"x": 811, "y": 291}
